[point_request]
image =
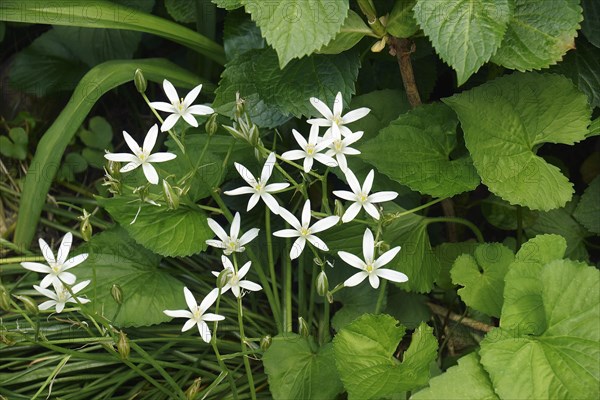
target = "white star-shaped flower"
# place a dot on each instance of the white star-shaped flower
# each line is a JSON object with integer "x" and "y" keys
{"x": 340, "y": 149}
{"x": 180, "y": 107}
{"x": 235, "y": 283}
{"x": 310, "y": 150}
{"x": 57, "y": 267}
{"x": 141, "y": 155}
{"x": 197, "y": 314}
{"x": 231, "y": 243}
{"x": 303, "y": 231}
{"x": 361, "y": 197}
{"x": 371, "y": 267}
{"x": 61, "y": 296}
{"x": 334, "y": 120}
{"x": 259, "y": 188}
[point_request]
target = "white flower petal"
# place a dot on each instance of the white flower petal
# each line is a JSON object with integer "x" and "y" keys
{"x": 60, "y": 306}
{"x": 236, "y": 290}
{"x": 162, "y": 106}
{"x": 189, "y": 324}
{"x": 391, "y": 275}
{"x": 170, "y": 91}
{"x": 318, "y": 243}
{"x": 345, "y": 195}
{"x": 150, "y": 139}
{"x": 249, "y": 236}
{"x": 201, "y": 110}
{"x": 368, "y": 184}
{"x": 306, "y": 213}
{"x": 342, "y": 162}
{"x": 386, "y": 257}
{"x": 244, "y": 270}
{"x": 169, "y": 122}
{"x": 80, "y": 286}
{"x": 212, "y": 317}
{"x": 47, "y": 304}
{"x": 216, "y": 228}
{"x": 324, "y": 224}
{"x": 313, "y": 136}
{"x": 253, "y": 287}
{"x": 380, "y": 197}
{"x": 253, "y": 201}
{"x": 161, "y": 157}
{"x": 372, "y": 210}
{"x": 320, "y": 122}
{"x": 338, "y": 104}
{"x": 46, "y": 251}
{"x": 68, "y": 278}
{"x": 45, "y": 292}
{"x": 204, "y": 331}
{"x": 268, "y": 168}
{"x": 325, "y": 160}
{"x": 374, "y": 281}
{"x": 178, "y": 313}
{"x": 75, "y": 261}
{"x": 36, "y": 267}
{"x": 297, "y": 248}
{"x": 226, "y": 263}
{"x": 245, "y": 174}
{"x": 355, "y": 115}
{"x": 239, "y": 191}
{"x": 351, "y": 212}
{"x": 352, "y": 181}
{"x": 293, "y": 155}
{"x": 271, "y": 202}
{"x": 234, "y": 230}
{"x": 352, "y": 260}
{"x": 190, "y": 300}
{"x": 307, "y": 164}
{"x": 286, "y": 233}
{"x": 321, "y": 108}
{"x": 150, "y": 173}
{"x": 356, "y": 279}
{"x": 47, "y": 280}
{"x": 290, "y": 218}
{"x": 215, "y": 243}
{"x": 131, "y": 143}
{"x": 368, "y": 245}
{"x": 121, "y": 157}
{"x": 189, "y": 118}
{"x": 192, "y": 95}
{"x": 276, "y": 187}
{"x": 300, "y": 139}
{"x": 209, "y": 300}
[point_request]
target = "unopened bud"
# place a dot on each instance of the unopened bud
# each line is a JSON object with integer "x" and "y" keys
{"x": 302, "y": 327}
{"x": 86, "y": 227}
{"x": 338, "y": 208}
{"x": 379, "y": 45}
{"x": 322, "y": 284}
{"x": 265, "y": 342}
{"x": 329, "y": 297}
{"x": 114, "y": 169}
{"x": 254, "y": 136}
{"x": 123, "y": 345}
{"x": 140, "y": 81}
{"x": 212, "y": 125}
{"x": 30, "y": 306}
{"x": 239, "y": 105}
{"x": 383, "y": 246}
{"x": 194, "y": 389}
{"x": 170, "y": 196}
{"x": 117, "y": 293}
{"x": 224, "y": 278}
{"x": 4, "y": 299}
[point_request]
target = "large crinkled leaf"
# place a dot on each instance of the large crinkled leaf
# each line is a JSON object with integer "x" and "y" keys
{"x": 115, "y": 259}
{"x": 182, "y": 10}
{"x": 588, "y": 209}
{"x": 364, "y": 355}
{"x": 482, "y": 277}
{"x": 240, "y": 35}
{"x": 228, "y": 4}
{"x": 272, "y": 94}
{"x": 415, "y": 150}
{"x": 298, "y": 369}
{"x": 353, "y": 30}
{"x": 539, "y": 33}
{"x": 356, "y": 301}
{"x": 591, "y": 21}
{"x": 401, "y": 21}
{"x": 465, "y": 33}
{"x": 173, "y": 233}
{"x": 297, "y": 28}
{"x": 583, "y": 67}
{"x": 554, "y": 352}
{"x": 506, "y": 120}
{"x": 504, "y": 216}
{"x": 447, "y": 253}
{"x": 466, "y": 381}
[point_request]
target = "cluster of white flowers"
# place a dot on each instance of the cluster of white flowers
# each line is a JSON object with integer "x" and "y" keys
{"x": 58, "y": 275}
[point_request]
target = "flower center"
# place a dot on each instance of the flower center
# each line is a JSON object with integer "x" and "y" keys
{"x": 369, "y": 268}
{"x": 232, "y": 244}
{"x": 180, "y": 105}
{"x": 310, "y": 149}
{"x": 63, "y": 295}
{"x": 56, "y": 268}
{"x": 197, "y": 313}
{"x": 259, "y": 187}
{"x": 362, "y": 197}
{"x": 305, "y": 231}
{"x": 234, "y": 280}
{"x": 337, "y": 120}
{"x": 338, "y": 145}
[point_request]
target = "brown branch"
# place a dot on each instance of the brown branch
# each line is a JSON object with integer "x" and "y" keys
{"x": 471, "y": 323}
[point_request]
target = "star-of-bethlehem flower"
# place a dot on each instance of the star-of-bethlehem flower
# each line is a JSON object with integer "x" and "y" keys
{"x": 371, "y": 267}
{"x": 197, "y": 314}
{"x": 334, "y": 120}
{"x": 340, "y": 149}
{"x": 311, "y": 149}
{"x": 231, "y": 243}
{"x": 180, "y": 107}
{"x": 259, "y": 188}
{"x": 57, "y": 267}
{"x": 235, "y": 283}
{"x": 303, "y": 231}
{"x": 361, "y": 197}
{"x": 61, "y": 296}
{"x": 141, "y": 155}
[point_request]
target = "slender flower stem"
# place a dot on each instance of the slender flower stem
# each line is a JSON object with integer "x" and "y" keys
{"x": 300, "y": 167}
{"x": 288, "y": 288}
{"x": 270, "y": 257}
{"x": 213, "y": 343}
{"x": 243, "y": 338}
{"x": 414, "y": 210}
{"x": 324, "y": 335}
{"x": 381, "y": 296}
{"x": 301, "y": 288}
{"x": 461, "y": 221}
{"x": 324, "y": 197}
{"x": 313, "y": 291}
{"x": 14, "y": 260}
{"x": 171, "y": 133}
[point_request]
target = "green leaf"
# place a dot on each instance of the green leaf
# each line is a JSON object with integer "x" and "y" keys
{"x": 228, "y": 4}
{"x": 15, "y": 145}
{"x": 588, "y": 209}
{"x": 115, "y": 259}
{"x": 447, "y": 253}
{"x": 408, "y": 308}
{"x": 172, "y": 233}
{"x": 46, "y": 66}
{"x": 503, "y": 216}
{"x": 467, "y": 381}
{"x": 364, "y": 355}
{"x": 353, "y": 30}
{"x": 539, "y": 33}
{"x": 482, "y": 277}
{"x": 582, "y": 66}
{"x": 401, "y": 22}
{"x": 297, "y": 369}
{"x": 99, "y": 135}
{"x": 113, "y": 16}
{"x": 94, "y": 157}
{"x": 554, "y": 352}
{"x": 272, "y": 94}
{"x": 465, "y": 33}
{"x": 240, "y": 35}
{"x": 506, "y": 120}
{"x": 415, "y": 150}
{"x": 594, "y": 129}
{"x": 591, "y": 21}
{"x": 182, "y": 10}
{"x": 95, "y": 83}
{"x": 562, "y": 222}
{"x": 73, "y": 164}
{"x": 356, "y": 301}
{"x": 296, "y": 28}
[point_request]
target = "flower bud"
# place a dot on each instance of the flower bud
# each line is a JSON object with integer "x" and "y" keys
{"x": 212, "y": 125}
{"x": 224, "y": 278}
{"x": 322, "y": 284}
{"x": 379, "y": 45}
{"x": 30, "y": 305}
{"x": 4, "y": 299}
{"x": 338, "y": 208}
{"x": 194, "y": 389}
{"x": 140, "y": 81}
{"x": 170, "y": 196}
{"x": 265, "y": 342}
{"x": 329, "y": 298}
{"x": 117, "y": 293}
{"x": 85, "y": 228}
{"x": 123, "y": 345}
{"x": 240, "y": 108}
{"x": 114, "y": 169}
{"x": 302, "y": 327}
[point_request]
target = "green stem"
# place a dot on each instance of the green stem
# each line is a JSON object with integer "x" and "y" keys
{"x": 288, "y": 288}
{"x": 461, "y": 221}
{"x": 381, "y": 296}
{"x": 413, "y": 210}
{"x": 220, "y": 361}
{"x": 313, "y": 293}
{"x": 301, "y": 288}
{"x": 16, "y": 260}
{"x": 324, "y": 197}
{"x": 270, "y": 256}
{"x": 324, "y": 336}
